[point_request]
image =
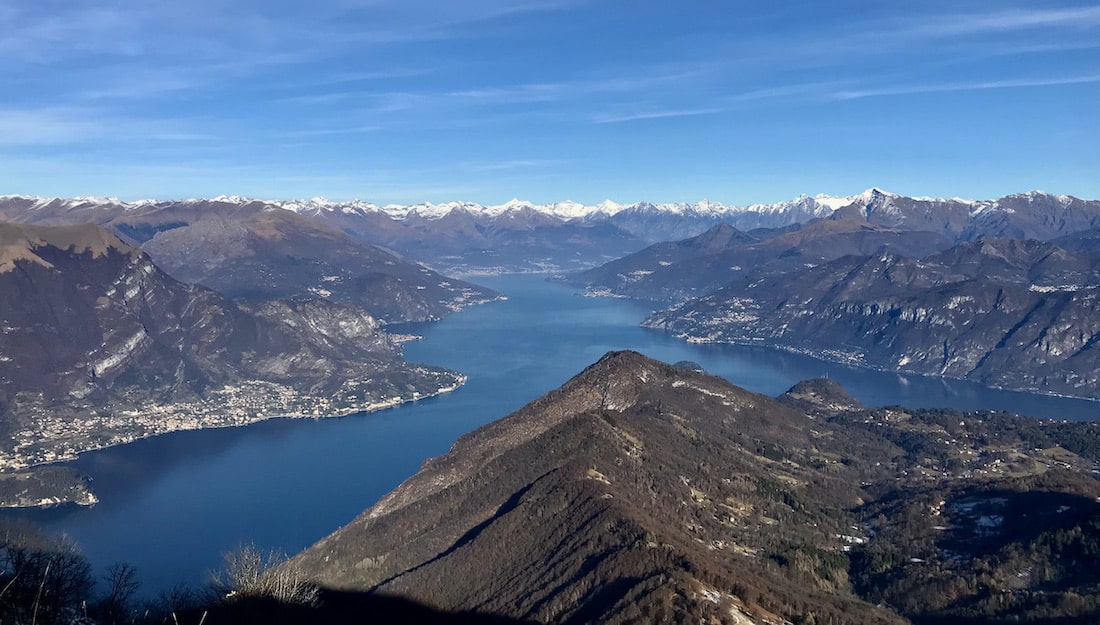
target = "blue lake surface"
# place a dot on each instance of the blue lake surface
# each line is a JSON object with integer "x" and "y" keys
{"x": 172, "y": 505}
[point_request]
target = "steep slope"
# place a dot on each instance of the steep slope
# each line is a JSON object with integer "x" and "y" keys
{"x": 255, "y": 250}
{"x": 655, "y": 272}
{"x": 644, "y": 492}
{"x": 1087, "y": 241}
{"x": 100, "y": 347}
{"x": 674, "y": 272}
{"x": 637, "y": 491}
{"x": 1025, "y": 262}
{"x": 972, "y": 312}
{"x": 278, "y": 254}
{"x": 1034, "y": 215}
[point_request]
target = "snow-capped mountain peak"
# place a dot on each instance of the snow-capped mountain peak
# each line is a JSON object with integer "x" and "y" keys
{"x": 874, "y": 203}
{"x": 569, "y": 209}
{"x": 230, "y": 199}
{"x": 607, "y": 207}
{"x": 513, "y": 205}
{"x": 831, "y": 201}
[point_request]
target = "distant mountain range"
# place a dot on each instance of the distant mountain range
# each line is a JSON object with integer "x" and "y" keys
{"x": 638, "y": 491}
{"x": 644, "y": 492}
{"x": 1002, "y": 292}
{"x": 1003, "y": 312}
{"x": 99, "y": 347}
{"x": 518, "y": 235}
{"x": 675, "y": 271}
{"x": 257, "y": 251}
{"x": 1005, "y": 294}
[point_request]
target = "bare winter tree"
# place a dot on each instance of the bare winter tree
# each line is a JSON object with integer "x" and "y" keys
{"x": 116, "y": 605}
{"x": 251, "y": 573}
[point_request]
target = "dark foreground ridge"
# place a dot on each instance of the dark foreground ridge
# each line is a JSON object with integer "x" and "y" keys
{"x": 337, "y": 608}
{"x": 644, "y": 492}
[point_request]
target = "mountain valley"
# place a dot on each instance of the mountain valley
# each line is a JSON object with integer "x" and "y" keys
{"x": 637, "y": 491}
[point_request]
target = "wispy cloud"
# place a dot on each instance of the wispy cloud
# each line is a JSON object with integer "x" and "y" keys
{"x": 297, "y": 88}
{"x": 929, "y": 35}
{"x": 328, "y": 132}
{"x": 656, "y": 114}
{"x": 67, "y": 126}
{"x": 510, "y": 165}
{"x": 41, "y": 33}
{"x": 1009, "y": 21}
{"x": 141, "y": 83}
{"x": 968, "y": 86}
{"x": 136, "y": 49}
{"x": 586, "y": 86}
{"x": 364, "y": 76}
{"x": 52, "y": 126}
{"x": 725, "y": 100}
{"x": 516, "y": 94}
{"x": 816, "y": 89}
{"x": 317, "y": 98}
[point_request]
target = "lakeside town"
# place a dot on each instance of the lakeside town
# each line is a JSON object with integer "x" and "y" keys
{"x": 43, "y": 440}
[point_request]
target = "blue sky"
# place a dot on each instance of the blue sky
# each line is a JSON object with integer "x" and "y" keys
{"x": 546, "y": 100}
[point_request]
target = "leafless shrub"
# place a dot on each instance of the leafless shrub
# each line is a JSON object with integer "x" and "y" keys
{"x": 249, "y": 573}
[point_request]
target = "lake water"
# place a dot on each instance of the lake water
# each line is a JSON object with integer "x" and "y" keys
{"x": 173, "y": 504}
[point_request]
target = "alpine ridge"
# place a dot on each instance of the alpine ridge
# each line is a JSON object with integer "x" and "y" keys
{"x": 467, "y": 238}
{"x": 645, "y": 492}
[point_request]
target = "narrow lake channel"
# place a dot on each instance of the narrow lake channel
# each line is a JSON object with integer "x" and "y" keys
{"x": 173, "y": 504}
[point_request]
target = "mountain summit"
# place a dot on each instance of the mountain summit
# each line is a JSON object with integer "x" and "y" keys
{"x": 641, "y": 492}
{"x": 638, "y": 491}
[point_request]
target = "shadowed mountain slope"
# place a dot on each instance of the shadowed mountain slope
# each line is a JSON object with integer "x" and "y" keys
{"x": 997, "y": 312}
{"x": 645, "y": 492}
{"x": 673, "y": 272}
{"x": 254, "y": 250}
{"x": 99, "y": 347}
{"x": 637, "y": 491}
{"x": 265, "y": 253}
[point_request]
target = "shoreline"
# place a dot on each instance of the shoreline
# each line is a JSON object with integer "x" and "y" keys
{"x": 53, "y": 500}
{"x": 851, "y": 362}
{"x": 687, "y": 338}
